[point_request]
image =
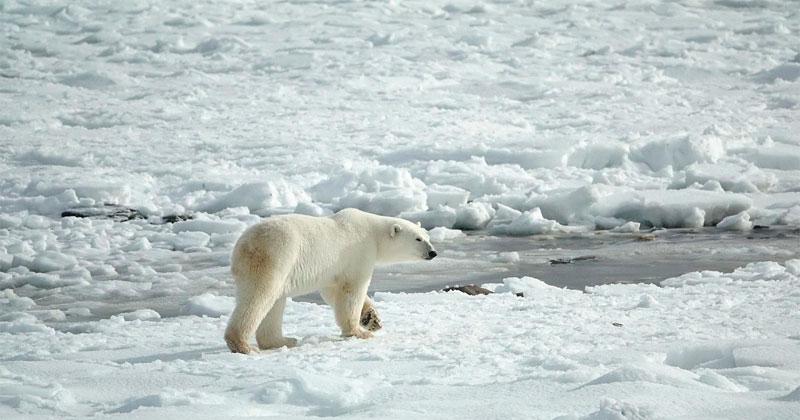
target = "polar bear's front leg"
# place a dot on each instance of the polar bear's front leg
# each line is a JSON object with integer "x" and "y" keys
{"x": 348, "y": 300}
{"x": 270, "y": 332}
{"x": 370, "y": 319}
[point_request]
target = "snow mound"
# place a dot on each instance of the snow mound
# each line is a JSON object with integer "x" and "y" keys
{"x": 382, "y": 190}
{"x": 740, "y": 221}
{"x": 88, "y": 80}
{"x": 473, "y": 216}
{"x": 10, "y": 300}
{"x": 169, "y": 398}
{"x": 792, "y": 396}
{"x": 446, "y": 195}
{"x": 22, "y": 323}
{"x": 328, "y": 396}
{"x": 528, "y": 223}
{"x": 141, "y": 315}
{"x": 209, "y": 305}
{"x": 717, "y": 356}
{"x": 528, "y": 286}
{"x": 788, "y": 72}
{"x": 506, "y": 257}
{"x": 611, "y": 409}
{"x": 188, "y": 240}
{"x": 442, "y": 216}
{"x": 678, "y": 153}
{"x": 653, "y": 373}
{"x": 441, "y": 234}
{"x": 257, "y": 196}
{"x": 209, "y": 226}
{"x": 52, "y": 261}
{"x": 768, "y": 270}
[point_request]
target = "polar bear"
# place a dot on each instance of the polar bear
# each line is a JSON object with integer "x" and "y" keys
{"x": 291, "y": 255}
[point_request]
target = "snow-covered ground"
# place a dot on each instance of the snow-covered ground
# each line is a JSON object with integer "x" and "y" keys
{"x": 578, "y": 121}
{"x": 705, "y": 345}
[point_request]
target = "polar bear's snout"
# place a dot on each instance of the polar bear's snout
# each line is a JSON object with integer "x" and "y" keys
{"x": 431, "y": 255}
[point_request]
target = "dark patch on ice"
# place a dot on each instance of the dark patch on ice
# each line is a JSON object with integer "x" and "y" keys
{"x": 469, "y": 289}
{"x": 743, "y": 4}
{"x": 119, "y": 214}
{"x": 788, "y": 72}
{"x": 174, "y": 218}
{"x": 557, "y": 261}
{"x": 108, "y": 211}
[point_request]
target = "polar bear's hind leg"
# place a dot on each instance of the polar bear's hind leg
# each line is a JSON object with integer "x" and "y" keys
{"x": 253, "y": 301}
{"x": 270, "y": 332}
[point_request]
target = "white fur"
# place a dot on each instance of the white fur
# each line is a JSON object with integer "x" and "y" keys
{"x": 293, "y": 255}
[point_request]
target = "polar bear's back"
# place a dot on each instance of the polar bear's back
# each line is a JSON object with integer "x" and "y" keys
{"x": 304, "y": 249}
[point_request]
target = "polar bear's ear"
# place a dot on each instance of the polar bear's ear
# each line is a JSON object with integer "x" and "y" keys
{"x": 395, "y": 230}
{"x": 419, "y": 224}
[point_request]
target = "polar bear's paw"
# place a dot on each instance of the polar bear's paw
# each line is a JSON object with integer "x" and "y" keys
{"x": 359, "y": 332}
{"x": 287, "y": 342}
{"x": 237, "y": 344}
{"x": 370, "y": 320}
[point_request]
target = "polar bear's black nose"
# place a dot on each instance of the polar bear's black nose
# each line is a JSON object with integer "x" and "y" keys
{"x": 431, "y": 255}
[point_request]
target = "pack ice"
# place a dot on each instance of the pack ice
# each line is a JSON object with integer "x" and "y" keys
{"x": 512, "y": 118}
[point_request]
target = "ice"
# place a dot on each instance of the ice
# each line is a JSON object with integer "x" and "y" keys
{"x": 209, "y": 304}
{"x": 88, "y": 80}
{"x": 442, "y": 234}
{"x": 658, "y": 374}
{"x": 525, "y": 285}
{"x": 141, "y": 315}
{"x": 257, "y": 196}
{"x": 383, "y": 190}
{"x": 330, "y": 396}
{"x": 653, "y": 136}
{"x": 528, "y": 223}
{"x": 788, "y": 72}
{"x": 449, "y": 196}
{"x": 611, "y": 409}
{"x": 189, "y": 239}
{"x": 792, "y": 396}
{"x": 442, "y": 216}
{"x": 740, "y": 221}
{"x": 474, "y": 216}
{"x": 209, "y": 226}
{"x": 627, "y": 227}
{"x": 583, "y": 352}
{"x": 781, "y": 156}
{"x": 52, "y": 261}
{"x": 678, "y": 153}
{"x": 508, "y": 257}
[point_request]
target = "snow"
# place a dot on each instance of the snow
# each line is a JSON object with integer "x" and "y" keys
{"x": 442, "y": 234}
{"x": 739, "y": 221}
{"x": 209, "y": 304}
{"x": 576, "y": 123}
{"x": 712, "y": 348}
{"x": 490, "y": 104}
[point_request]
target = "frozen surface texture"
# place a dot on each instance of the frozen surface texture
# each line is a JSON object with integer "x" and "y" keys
{"x": 671, "y": 114}
{"x": 707, "y": 345}
{"x": 516, "y": 118}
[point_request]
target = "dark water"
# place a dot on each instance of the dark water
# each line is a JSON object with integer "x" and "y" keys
{"x": 617, "y": 258}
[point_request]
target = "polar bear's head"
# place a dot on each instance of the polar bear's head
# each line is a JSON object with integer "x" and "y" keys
{"x": 407, "y": 241}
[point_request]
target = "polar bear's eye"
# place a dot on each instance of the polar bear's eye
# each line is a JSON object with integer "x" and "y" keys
{"x": 419, "y": 240}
